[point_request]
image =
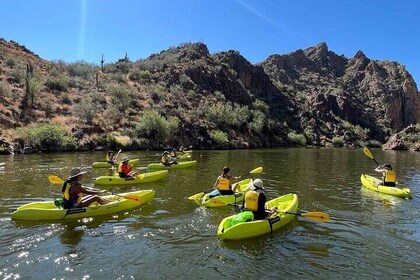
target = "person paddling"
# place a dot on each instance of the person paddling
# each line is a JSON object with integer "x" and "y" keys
{"x": 223, "y": 184}
{"x": 389, "y": 177}
{"x": 110, "y": 157}
{"x": 125, "y": 170}
{"x": 165, "y": 159}
{"x": 255, "y": 200}
{"x": 173, "y": 154}
{"x": 74, "y": 195}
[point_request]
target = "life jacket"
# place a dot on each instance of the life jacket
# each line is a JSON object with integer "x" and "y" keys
{"x": 173, "y": 154}
{"x": 251, "y": 201}
{"x": 124, "y": 168}
{"x": 69, "y": 198}
{"x": 390, "y": 176}
{"x": 163, "y": 160}
{"x": 224, "y": 184}
{"x": 108, "y": 158}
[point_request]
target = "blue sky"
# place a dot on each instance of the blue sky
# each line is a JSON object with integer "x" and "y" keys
{"x": 74, "y": 30}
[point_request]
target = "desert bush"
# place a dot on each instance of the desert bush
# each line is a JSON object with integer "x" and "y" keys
{"x": 124, "y": 66}
{"x": 155, "y": 127}
{"x": 10, "y": 62}
{"x": 219, "y": 137}
{"x": 47, "y": 137}
{"x": 77, "y": 82}
{"x": 17, "y": 75}
{"x": 297, "y": 139}
{"x": 81, "y": 69}
{"x": 4, "y": 90}
{"x": 121, "y": 96}
{"x": 337, "y": 141}
{"x": 228, "y": 115}
{"x": 87, "y": 109}
{"x": 258, "y": 121}
{"x": 58, "y": 84}
{"x": 119, "y": 77}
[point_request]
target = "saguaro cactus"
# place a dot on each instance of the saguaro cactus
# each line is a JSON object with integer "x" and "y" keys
{"x": 102, "y": 63}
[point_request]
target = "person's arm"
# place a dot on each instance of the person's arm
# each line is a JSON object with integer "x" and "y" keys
{"x": 380, "y": 168}
{"x": 216, "y": 183}
{"x": 80, "y": 189}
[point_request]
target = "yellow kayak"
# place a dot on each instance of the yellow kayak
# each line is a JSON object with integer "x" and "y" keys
{"x": 46, "y": 210}
{"x": 139, "y": 179}
{"x": 179, "y": 165}
{"x": 223, "y": 200}
{"x": 244, "y": 230}
{"x": 374, "y": 184}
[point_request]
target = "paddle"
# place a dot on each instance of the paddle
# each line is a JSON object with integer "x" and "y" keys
{"x": 369, "y": 154}
{"x": 116, "y": 157}
{"x": 200, "y": 194}
{"x": 58, "y": 181}
{"x": 317, "y": 216}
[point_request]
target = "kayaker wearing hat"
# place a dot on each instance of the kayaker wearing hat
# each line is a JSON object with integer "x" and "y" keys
{"x": 73, "y": 192}
{"x": 173, "y": 153}
{"x": 165, "y": 159}
{"x": 223, "y": 184}
{"x": 125, "y": 170}
{"x": 255, "y": 200}
{"x": 110, "y": 157}
{"x": 389, "y": 177}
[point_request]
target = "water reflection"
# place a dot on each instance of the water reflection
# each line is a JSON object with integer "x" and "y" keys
{"x": 369, "y": 233}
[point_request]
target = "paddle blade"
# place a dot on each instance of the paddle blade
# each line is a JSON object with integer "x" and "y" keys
{"x": 256, "y": 170}
{"x": 55, "y": 180}
{"x": 367, "y": 152}
{"x": 196, "y": 196}
{"x": 319, "y": 216}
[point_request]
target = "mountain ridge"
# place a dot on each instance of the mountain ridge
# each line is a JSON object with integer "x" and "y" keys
{"x": 221, "y": 100}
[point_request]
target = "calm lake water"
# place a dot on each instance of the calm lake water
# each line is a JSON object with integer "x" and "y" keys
{"x": 369, "y": 236}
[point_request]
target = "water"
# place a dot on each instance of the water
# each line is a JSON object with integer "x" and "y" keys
{"x": 369, "y": 235}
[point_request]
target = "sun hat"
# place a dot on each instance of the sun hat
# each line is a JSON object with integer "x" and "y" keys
{"x": 125, "y": 159}
{"x": 76, "y": 172}
{"x": 165, "y": 152}
{"x": 257, "y": 183}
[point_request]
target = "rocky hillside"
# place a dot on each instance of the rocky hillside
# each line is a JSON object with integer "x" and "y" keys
{"x": 187, "y": 96}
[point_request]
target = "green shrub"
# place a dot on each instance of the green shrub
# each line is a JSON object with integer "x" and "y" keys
{"x": 337, "y": 141}
{"x": 10, "y": 62}
{"x": 80, "y": 69}
{"x": 219, "y": 137}
{"x": 87, "y": 109}
{"x": 121, "y": 97}
{"x": 4, "y": 90}
{"x": 297, "y": 139}
{"x": 258, "y": 121}
{"x": 58, "y": 84}
{"x": 228, "y": 115}
{"x": 47, "y": 137}
{"x": 155, "y": 127}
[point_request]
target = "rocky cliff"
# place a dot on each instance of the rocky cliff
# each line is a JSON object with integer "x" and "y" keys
{"x": 185, "y": 95}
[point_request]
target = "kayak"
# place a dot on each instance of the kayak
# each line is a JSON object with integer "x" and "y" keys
{"x": 184, "y": 164}
{"x": 184, "y": 156}
{"x": 104, "y": 164}
{"x": 244, "y": 230}
{"x": 141, "y": 178}
{"x": 223, "y": 200}
{"x": 47, "y": 210}
{"x": 374, "y": 184}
